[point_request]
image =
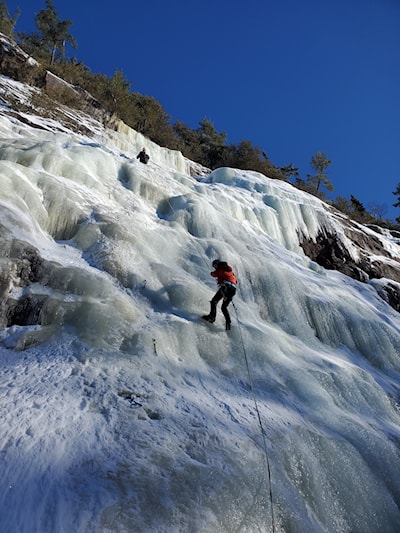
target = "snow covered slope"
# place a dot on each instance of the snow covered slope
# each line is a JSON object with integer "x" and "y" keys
{"x": 121, "y": 411}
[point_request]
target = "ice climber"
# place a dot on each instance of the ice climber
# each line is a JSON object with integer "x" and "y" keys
{"x": 143, "y": 157}
{"x": 227, "y": 282}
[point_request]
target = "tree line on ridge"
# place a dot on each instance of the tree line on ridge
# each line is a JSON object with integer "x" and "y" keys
{"x": 146, "y": 115}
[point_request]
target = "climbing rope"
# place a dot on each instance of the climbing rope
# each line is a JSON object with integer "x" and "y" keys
{"x": 259, "y": 421}
{"x": 263, "y": 434}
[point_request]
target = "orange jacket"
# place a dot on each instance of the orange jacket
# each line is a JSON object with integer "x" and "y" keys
{"x": 224, "y": 272}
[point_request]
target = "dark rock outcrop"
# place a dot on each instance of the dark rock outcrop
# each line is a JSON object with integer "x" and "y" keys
{"x": 367, "y": 259}
{"x": 21, "y": 268}
{"x": 13, "y": 59}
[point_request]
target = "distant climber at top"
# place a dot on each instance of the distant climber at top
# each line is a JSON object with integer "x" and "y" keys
{"x": 143, "y": 157}
{"x": 227, "y": 282}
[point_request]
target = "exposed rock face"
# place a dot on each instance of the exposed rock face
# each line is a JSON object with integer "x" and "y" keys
{"x": 13, "y": 58}
{"x": 17, "y": 65}
{"x": 23, "y": 274}
{"x": 78, "y": 98}
{"x": 367, "y": 259}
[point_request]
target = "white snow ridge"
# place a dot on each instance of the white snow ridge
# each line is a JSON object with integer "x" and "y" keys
{"x": 122, "y": 411}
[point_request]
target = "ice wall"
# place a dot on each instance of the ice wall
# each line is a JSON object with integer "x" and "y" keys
{"x": 109, "y": 207}
{"x": 131, "y": 141}
{"x": 171, "y": 438}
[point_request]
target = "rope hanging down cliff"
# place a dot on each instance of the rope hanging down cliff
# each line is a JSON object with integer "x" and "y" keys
{"x": 263, "y": 434}
{"x": 268, "y": 466}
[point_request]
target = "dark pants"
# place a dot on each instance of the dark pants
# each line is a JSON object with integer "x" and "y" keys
{"x": 227, "y": 292}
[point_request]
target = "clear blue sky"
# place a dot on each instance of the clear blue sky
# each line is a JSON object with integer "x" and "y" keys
{"x": 292, "y": 76}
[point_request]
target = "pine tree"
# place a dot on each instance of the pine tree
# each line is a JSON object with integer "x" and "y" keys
{"x": 189, "y": 141}
{"x": 211, "y": 143}
{"x": 358, "y": 211}
{"x": 208, "y": 135}
{"x": 116, "y": 93}
{"x": 319, "y": 162}
{"x": 54, "y": 32}
{"x": 343, "y": 204}
{"x": 7, "y": 23}
{"x": 397, "y": 204}
{"x": 289, "y": 171}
